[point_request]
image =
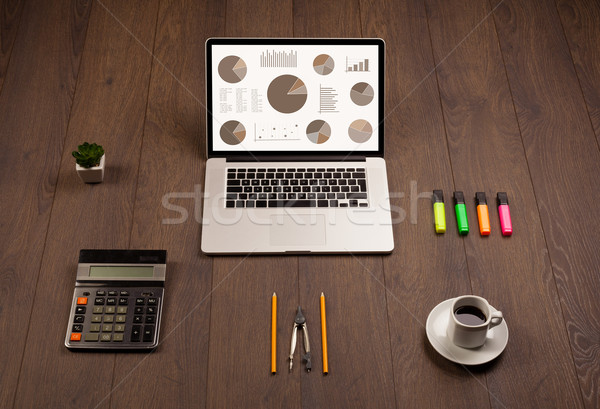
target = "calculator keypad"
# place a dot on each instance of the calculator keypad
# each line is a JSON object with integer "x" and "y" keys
{"x": 115, "y": 318}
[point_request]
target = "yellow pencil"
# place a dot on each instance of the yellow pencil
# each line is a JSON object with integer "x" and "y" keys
{"x": 274, "y": 334}
{"x": 324, "y": 336}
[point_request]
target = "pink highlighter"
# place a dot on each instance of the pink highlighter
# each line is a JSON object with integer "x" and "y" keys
{"x": 504, "y": 213}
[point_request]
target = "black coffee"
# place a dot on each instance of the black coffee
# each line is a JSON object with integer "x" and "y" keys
{"x": 470, "y": 315}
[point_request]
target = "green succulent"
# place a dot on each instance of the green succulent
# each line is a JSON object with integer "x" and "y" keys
{"x": 88, "y": 155}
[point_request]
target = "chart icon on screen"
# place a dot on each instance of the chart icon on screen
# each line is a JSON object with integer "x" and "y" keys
{"x": 232, "y": 69}
{"x": 232, "y": 132}
{"x": 360, "y": 131}
{"x": 287, "y": 94}
{"x": 323, "y": 64}
{"x": 362, "y": 94}
{"x": 318, "y": 131}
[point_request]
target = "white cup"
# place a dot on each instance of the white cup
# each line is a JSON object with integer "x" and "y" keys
{"x": 469, "y": 328}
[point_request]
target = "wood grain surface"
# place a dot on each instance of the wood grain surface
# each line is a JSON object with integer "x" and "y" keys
{"x": 564, "y": 164}
{"x": 10, "y": 16}
{"x": 34, "y": 111}
{"x": 579, "y": 19}
{"x": 496, "y": 95}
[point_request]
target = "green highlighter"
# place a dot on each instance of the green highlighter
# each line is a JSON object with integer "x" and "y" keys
{"x": 461, "y": 213}
{"x": 439, "y": 212}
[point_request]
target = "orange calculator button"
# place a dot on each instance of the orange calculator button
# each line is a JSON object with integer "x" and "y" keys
{"x": 76, "y": 336}
{"x": 81, "y": 300}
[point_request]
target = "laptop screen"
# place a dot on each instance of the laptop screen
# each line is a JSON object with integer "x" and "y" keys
{"x": 294, "y": 96}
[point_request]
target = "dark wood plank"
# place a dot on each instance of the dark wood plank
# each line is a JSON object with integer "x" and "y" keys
{"x": 424, "y": 269}
{"x": 34, "y": 110}
{"x": 580, "y": 21}
{"x": 172, "y": 174}
{"x": 564, "y": 162}
{"x": 10, "y": 15}
{"x": 109, "y": 108}
{"x": 239, "y": 357}
{"x": 358, "y": 339}
{"x": 487, "y": 155}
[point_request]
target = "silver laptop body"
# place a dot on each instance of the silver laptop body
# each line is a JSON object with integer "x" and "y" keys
{"x": 295, "y": 147}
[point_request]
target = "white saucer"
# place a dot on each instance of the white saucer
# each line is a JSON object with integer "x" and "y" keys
{"x": 437, "y": 322}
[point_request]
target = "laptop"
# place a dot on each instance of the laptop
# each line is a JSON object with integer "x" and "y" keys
{"x": 295, "y": 145}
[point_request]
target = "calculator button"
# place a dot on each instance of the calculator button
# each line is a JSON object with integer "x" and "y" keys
{"x": 112, "y": 293}
{"x": 121, "y": 310}
{"x": 89, "y": 337}
{"x": 107, "y": 328}
{"x": 105, "y": 337}
{"x": 151, "y": 310}
{"x": 81, "y": 300}
{"x": 96, "y": 318}
{"x": 137, "y": 319}
{"x": 76, "y": 337}
{"x": 111, "y": 301}
{"x": 110, "y": 310}
{"x": 150, "y": 319}
{"x": 97, "y": 310}
{"x": 124, "y": 293}
{"x": 119, "y": 328}
{"x": 79, "y": 310}
{"x": 79, "y": 318}
{"x": 136, "y": 333}
{"x": 118, "y": 337}
{"x": 109, "y": 318}
{"x": 77, "y": 328}
{"x": 148, "y": 333}
{"x": 95, "y": 328}
{"x": 123, "y": 301}
{"x": 99, "y": 301}
{"x": 140, "y": 301}
{"x": 121, "y": 318}
{"x": 86, "y": 293}
{"x": 152, "y": 301}
{"x": 101, "y": 293}
{"x": 138, "y": 310}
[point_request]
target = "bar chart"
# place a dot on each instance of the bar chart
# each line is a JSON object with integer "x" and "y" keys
{"x": 272, "y": 58}
{"x": 357, "y": 65}
{"x": 327, "y": 99}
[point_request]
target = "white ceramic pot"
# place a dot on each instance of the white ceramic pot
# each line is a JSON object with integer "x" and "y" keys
{"x": 91, "y": 175}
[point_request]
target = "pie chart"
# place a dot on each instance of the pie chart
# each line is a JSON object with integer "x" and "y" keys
{"x": 323, "y": 64}
{"x": 287, "y": 94}
{"x": 232, "y": 132}
{"x": 318, "y": 131}
{"x": 362, "y": 94}
{"x": 232, "y": 69}
{"x": 360, "y": 131}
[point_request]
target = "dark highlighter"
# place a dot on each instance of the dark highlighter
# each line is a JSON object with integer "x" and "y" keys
{"x": 470, "y": 315}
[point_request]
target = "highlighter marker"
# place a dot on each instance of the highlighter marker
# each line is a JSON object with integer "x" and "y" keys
{"x": 482, "y": 214}
{"x": 461, "y": 213}
{"x": 504, "y": 213}
{"x": 439, "y": 213}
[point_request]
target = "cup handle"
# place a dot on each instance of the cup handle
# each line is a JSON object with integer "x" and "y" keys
{"x": 496, "y": 319}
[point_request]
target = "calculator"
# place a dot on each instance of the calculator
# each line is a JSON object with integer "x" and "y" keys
{"x": 118, "y": 299}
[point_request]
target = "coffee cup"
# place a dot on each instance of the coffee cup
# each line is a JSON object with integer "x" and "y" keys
{"x": 470, "y": 319}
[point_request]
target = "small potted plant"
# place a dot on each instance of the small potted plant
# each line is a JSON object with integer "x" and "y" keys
{"x": 89, "y": 164}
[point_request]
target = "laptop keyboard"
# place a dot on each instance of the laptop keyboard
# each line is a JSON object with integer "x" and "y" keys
{"x": 296, "y": 187}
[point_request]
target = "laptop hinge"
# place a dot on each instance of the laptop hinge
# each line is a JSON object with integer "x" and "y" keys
{"x": 303, "y": 158}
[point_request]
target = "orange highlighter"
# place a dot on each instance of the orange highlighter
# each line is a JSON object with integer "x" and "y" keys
{"x": 482, "y": 213}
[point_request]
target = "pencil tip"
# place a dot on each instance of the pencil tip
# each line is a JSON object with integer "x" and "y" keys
{"x": 274, "y": 295}
{"x": 322, "y": 295}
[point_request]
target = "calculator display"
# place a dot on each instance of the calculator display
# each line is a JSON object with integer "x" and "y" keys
{"x": 122, "y": 271}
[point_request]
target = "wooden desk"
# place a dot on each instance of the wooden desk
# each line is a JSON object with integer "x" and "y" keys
{"x": 494, "y": 96}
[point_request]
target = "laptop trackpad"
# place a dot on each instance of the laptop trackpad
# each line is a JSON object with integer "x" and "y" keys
{"x": 297, "y": 230}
